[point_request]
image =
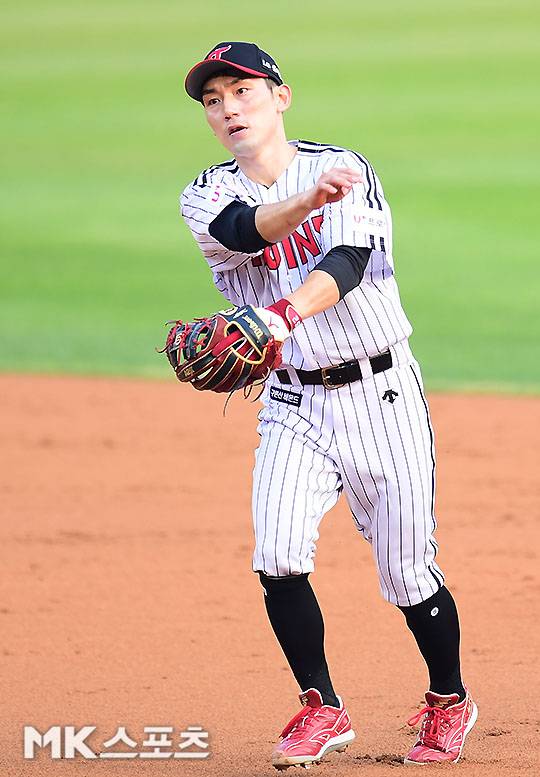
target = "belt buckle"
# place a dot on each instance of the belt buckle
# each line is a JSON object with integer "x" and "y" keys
{"x": 326, "y": 376}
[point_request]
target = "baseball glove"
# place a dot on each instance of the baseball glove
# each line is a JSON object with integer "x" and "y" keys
{"x": 233, "y": 349}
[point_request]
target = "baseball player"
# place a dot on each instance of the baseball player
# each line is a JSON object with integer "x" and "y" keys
{"x": 302, "y": 232}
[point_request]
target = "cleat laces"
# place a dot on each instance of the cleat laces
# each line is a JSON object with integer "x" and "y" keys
{"x": 434, "y": 727}
{"x": 305, "y": 719}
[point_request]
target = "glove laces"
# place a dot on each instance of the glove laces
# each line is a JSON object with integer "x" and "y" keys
{"x": 178, "y": 338}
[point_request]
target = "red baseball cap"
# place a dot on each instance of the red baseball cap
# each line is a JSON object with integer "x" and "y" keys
{"x": 244, "y": 57}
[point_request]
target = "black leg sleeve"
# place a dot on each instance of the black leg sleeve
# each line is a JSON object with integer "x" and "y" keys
{"x": 297, "y": 622}
{"x": 435, "y": 626}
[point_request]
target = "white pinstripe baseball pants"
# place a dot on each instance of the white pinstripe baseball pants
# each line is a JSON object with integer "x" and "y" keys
{"x": 380, "y": 453}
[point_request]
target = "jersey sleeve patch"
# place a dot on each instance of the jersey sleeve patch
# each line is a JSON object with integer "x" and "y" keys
{"x": 368, "y": 220}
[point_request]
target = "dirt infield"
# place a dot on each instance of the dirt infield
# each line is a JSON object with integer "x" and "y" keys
{"x": 127, "y": 597}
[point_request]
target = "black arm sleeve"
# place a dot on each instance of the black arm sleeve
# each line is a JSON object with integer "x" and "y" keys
{"x": 346, "y": 265}
{"x": 235, "y": 228}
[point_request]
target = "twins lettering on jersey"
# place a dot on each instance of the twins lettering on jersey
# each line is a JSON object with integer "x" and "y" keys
{"x": 302, "y": 240}
{"x": 294, "y": 247}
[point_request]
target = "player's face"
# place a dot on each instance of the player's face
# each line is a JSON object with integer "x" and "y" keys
{"x": 243, "y": 112}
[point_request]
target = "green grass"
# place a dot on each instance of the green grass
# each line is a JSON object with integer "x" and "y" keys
{"x": 99, "y": 138}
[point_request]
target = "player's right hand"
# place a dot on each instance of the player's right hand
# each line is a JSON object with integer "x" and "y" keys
{"x": 281, "y": 318}
{"x": 332, "y": 186}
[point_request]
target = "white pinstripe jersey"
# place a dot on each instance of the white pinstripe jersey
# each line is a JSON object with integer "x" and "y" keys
{"x": 368, "y": 318}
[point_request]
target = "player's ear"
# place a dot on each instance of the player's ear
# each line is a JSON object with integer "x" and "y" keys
{"x": 283, "y": 97}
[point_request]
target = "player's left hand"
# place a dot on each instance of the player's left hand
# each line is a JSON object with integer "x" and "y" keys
{"x": 232, "y": 349}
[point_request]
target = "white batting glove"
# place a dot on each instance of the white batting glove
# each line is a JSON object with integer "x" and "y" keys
{"x": 280, "y": 318}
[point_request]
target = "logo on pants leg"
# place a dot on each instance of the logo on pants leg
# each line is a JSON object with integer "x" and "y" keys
{"x": 390, "y": 396}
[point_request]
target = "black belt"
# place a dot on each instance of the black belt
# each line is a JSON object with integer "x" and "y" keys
{"x": 340, "y": 375}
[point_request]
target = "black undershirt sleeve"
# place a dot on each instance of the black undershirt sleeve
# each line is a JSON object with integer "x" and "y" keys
{"x": 346, "y": 265}
{"x": 235, "y": 228}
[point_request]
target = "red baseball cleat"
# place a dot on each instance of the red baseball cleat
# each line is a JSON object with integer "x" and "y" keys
{"x": 447, "y": 721}
{"x": 315, "y": 730}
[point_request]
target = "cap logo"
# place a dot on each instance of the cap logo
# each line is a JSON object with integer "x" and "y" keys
{"x": 271, "y": 67}
{"x": 218, "y": 53}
